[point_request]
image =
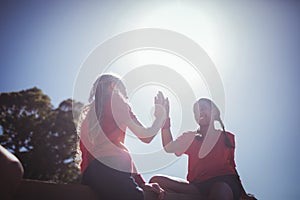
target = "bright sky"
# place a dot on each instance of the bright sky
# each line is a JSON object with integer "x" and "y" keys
{"x": 254, "y": 46}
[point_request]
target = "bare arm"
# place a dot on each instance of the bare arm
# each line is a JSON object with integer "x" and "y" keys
{"x": 181, "y": 144}
{"x": 167, "y": 139}
{"x": 147, "y": 134}
{"x": 169, "y": 144}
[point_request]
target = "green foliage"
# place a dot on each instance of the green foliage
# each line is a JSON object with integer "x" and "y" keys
{"x": 42, "y": 137}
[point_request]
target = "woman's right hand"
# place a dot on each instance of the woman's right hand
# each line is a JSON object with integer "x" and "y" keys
{"x": 166, "y": 105}
{"x": 154, "y": 187}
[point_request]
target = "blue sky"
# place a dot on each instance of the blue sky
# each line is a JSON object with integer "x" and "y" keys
{"x": 254, "y": 45}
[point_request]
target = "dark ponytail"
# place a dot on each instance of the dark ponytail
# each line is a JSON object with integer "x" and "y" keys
{"x": 228, "y": 143}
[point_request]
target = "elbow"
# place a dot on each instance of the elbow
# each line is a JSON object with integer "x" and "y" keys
{"x": 178, "y": 154}
{"x": 146, "y": 140}
{"x": 168, "y": 149}
{"x": 14, "y": 173}
{"x": 18, "y": 170}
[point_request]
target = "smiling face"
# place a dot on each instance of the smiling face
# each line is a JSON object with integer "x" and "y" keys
{"x": 203, "y": 113}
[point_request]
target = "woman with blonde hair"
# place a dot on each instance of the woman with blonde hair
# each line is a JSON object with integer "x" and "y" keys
{"x": 106, "y": 163}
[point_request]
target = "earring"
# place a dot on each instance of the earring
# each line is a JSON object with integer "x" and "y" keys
{"x": 198, "y": 135}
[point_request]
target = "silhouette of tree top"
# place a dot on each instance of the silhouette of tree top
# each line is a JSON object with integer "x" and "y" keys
{"x": 43, "y": 137}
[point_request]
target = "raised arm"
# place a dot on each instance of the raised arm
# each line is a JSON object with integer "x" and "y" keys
{"x": 169, "y": 144}
{"x": 167, "y": 139}
{"x": 181, "y": 144}
{"x": 146, "y": 134}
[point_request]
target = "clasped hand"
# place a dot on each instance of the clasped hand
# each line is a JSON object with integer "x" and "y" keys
{"x": 154, "y": 187}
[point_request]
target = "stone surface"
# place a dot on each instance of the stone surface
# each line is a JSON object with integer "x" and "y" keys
{"x": 42, "y": 190}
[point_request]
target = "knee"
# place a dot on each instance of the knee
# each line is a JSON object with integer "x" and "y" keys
{"x": 221, "y": 190}
{"x": 11, "y": 169}
{"x": 16, "y": 168}
{"x": 12, "y": 174}
{"x": 156, "y": 179}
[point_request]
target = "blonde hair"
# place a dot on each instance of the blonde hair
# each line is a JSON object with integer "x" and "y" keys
{"x": 94, "y": 110}
{"x": 98, "y": 95}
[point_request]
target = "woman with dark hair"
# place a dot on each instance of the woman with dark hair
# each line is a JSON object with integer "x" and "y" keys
{"x": 211, "y": 167}
{"x": 106, "y": 163}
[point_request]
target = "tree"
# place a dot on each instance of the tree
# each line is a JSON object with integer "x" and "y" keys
{"x": 42, "y": 137}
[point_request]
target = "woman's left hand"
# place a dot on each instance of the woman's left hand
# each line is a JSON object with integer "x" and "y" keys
{"x": 159, "y": 110}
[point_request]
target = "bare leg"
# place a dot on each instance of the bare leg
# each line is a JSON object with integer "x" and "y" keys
{"x": 173, "y": 184}
{"x": 11, "y": 173}
{"x": 220, "y": 191}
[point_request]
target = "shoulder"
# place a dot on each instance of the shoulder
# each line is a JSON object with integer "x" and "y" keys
{"x": 230, "y": 135}
{"x": 120, "y": 108}
{"x": 188, "y": 135}
{"x": 118, "y": 98}
{"x": 118, "y": 102}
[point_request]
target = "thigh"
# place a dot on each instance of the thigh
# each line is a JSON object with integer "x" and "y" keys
{"x": 220, "y": 190}
{"x": 223, "y": 184}
{"x": 174, "y": 184}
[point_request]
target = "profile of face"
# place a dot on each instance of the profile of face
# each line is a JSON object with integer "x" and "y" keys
{"x": 204, "y": 113}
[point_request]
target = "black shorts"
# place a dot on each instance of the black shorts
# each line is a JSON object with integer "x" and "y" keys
{"x": 109, "y": 183}
{"x": 232, "y": 180}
